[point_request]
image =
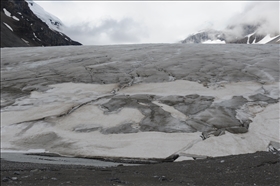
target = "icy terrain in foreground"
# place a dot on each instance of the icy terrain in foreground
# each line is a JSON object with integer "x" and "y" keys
{"x": 141, "y": 101}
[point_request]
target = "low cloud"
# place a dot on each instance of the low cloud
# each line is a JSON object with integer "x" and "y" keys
{"x": 108, "y": 31}
{"x": 261, "y": 15}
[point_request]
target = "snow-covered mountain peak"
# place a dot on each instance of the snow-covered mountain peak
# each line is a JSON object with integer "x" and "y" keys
{"x": 52, "y": 21}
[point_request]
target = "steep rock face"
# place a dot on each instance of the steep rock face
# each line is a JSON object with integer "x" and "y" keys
{"x": 21, "y": 27}
{"x": 248, "y": 39}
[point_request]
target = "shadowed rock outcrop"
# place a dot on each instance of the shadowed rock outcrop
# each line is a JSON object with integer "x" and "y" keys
{"x": 27, "y": 28}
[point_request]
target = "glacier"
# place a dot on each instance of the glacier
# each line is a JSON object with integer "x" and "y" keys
{"x": 140, "y": 101}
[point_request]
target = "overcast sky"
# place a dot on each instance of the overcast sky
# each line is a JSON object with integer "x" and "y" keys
{"x": 111, "y": 22}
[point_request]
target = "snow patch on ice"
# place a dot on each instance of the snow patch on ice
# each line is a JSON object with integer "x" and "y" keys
{"x": 263, "y": 129}
{"x": 175, "y": 113}
{"x": 249, "y": 110}
{"x": 88, "y": 144}
{"x": 66, "y": 93}
{"x": 61, "y": 98}
{"x": 34, "y": 113}
{"x": 91, "y": 116}
{"x": 137, "y": 145}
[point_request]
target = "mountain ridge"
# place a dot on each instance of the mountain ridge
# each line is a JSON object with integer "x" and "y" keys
{"x": 21, "y": 27}
{"x": 248, "y": 34}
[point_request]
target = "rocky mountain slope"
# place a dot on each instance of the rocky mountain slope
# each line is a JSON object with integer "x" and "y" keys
{"x": 257, "y": 23}
{"x": 206, "y": 36}
{"x": 21, "y": 27}
{"x": 247, "y": 34}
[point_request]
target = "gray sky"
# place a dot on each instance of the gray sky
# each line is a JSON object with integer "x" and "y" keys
{"x": 126, "y": 22}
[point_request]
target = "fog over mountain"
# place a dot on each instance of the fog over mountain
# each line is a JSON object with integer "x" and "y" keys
{"x": 263, "y": 15}
{"x": 131, "y": 22}
{"x": 258, "y": 23}
{"x": 126, "y": 31}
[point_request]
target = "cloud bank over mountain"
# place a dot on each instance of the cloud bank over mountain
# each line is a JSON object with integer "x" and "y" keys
{"x": 108, "y": 31}
{"x": 257, "y": 23}
{"x": 96, "y": 22}
{"x": 261, "y": 18}
{"x": 262, "y": 15}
